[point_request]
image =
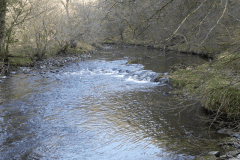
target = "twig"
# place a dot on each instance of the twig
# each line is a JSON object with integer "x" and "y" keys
{"x": 174, "y": 33}
{"x": 224, "y": 11}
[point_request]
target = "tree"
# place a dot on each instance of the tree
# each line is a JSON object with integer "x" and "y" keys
{"x": 3, "y": 9}
{"x": 18, "y": 12}
{"x": 198, "y": 26}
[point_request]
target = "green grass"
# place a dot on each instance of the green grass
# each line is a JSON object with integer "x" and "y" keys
{"x": 20, "y": 61}
{"x": 217, "y": 85}
{"x": 24, "y": 54}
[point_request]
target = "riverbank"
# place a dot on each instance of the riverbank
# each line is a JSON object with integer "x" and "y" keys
{"x": 216, "y": 82}
{"x": 48, "y": 64}
{"x": 25, "y": 55}
{"x": 204, "y": 51}
{"x": 217, "y": 86}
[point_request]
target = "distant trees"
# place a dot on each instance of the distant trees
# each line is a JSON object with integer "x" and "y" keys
{"x": 52, "y": 26}
{"x": 47, "y": 26}
{"x": 12, "y": 13}
{"x": 201, "y": 25}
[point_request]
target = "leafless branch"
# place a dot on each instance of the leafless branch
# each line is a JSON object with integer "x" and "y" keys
{"x": 224, "y": 11}
{"x": 186, "y": 19}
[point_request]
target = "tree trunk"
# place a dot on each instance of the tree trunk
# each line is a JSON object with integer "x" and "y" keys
{"x": 3, "y": 8}
{"x": 121, "y": 34}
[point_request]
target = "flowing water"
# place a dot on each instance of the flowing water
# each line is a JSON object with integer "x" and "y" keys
{"x": 102, "y": 108}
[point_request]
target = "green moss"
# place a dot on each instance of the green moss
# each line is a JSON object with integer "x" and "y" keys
{"x": 133, "y": 61}
{"x": 217, "y": 84}
{"x": 22, "y": 61}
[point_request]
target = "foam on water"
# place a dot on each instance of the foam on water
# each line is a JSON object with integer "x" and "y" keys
{"x": 132, "y": 79}
{"x": 118, "y": 69}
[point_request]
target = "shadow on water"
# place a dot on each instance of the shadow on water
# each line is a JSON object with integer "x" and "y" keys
{"x": 102, "y": 108}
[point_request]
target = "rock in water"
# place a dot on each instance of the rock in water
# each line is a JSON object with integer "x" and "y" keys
{"x": 215, "y": 153}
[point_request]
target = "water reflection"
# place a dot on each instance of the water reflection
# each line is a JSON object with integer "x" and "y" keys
{"x": 91, "y": 110}
{"x": 18, "y": 130}
{"x": 20, "y": 116}
{"x": 152, "y": 59}
{"x": 148, "y": 113}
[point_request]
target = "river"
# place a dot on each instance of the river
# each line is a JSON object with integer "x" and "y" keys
{"x": 102, "y": 109}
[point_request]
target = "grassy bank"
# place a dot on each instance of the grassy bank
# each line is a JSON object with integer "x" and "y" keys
{"x": 216, "y": 84}
{"x": 25, "y": 54}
